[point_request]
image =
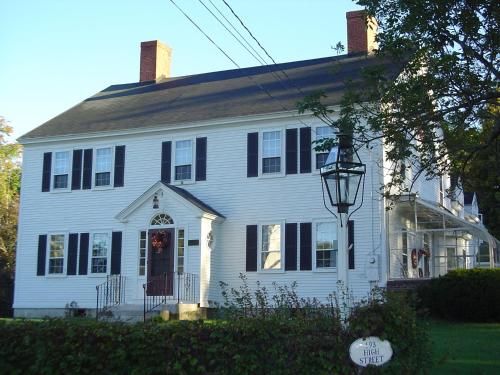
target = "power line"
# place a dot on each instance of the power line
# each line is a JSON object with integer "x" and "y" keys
{"x": 236, "y": 64}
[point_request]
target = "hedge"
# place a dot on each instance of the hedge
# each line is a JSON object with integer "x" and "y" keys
{"x": 244, "y": 346}
{"x": 463, "y": 295}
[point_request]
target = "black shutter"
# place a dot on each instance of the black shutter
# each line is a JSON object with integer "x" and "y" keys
{"x": 201, "y": 159}
{"x": 350, "y": 243}
{"x": 251, "y": 259}
{"x": 290, "y": 247}
{"x": 87, "y": 169}
{"x": 305, "y": 246}
{"x": 166, "y": 160}
{"x": 47, "y": 165}
{"x": 84, "y": 254}
{"x": 305, "y": 150}
{"x": 72, "y": 253}
{"x": 119, "y": 166}
{"x": 252, "y": 154}
{"x": 291, "y": 151}
{"x": 76, "y": 174}
{"x": 116, "y": 253}
{"x": 42, "y": 253}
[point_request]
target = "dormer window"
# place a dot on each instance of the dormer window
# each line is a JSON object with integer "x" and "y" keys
{"x": 61, "y": 169}
{"x": 103, "y": 161}
{"x": 183, "y": 160}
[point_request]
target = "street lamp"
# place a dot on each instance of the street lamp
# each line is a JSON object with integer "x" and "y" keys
{"x": 342, "y": 175}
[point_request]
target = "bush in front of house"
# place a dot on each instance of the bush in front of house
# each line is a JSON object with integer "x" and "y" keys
{"x": 267, "y": 343}
{"x": 463, "y": 295}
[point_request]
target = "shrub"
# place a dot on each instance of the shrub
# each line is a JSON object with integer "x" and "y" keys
{"x": 464, "y": 295}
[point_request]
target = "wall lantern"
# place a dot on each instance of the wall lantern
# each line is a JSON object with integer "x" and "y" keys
{"x": 156, "y": 202}
{"x": 342, "y": 174}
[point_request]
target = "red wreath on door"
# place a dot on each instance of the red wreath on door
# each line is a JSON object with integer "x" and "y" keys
{"x": 160, "y": 240}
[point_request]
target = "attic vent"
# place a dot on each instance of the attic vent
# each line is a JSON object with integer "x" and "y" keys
{"x": 161, "y": 219}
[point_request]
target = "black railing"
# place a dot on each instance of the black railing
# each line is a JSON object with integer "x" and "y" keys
{"x": 109, "y": 294}
{"x": 174, "y": 286}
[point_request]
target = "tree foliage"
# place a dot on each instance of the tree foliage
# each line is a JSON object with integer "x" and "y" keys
{"x": 10, "y": 173}
{"x": 432, "y": 118}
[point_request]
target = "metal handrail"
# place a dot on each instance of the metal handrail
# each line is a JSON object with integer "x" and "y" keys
{"x": 109, "y": 294}
{"x": 171, "y": 286}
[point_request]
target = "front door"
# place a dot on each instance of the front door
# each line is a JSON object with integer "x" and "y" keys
{"x": 161, "y": 262}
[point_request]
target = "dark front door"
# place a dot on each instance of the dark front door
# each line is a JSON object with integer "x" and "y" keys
{"x": 161, "y": 262}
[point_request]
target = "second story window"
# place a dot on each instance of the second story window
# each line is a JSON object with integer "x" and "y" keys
{"x": 103, "y": 161}
{"x": 271, "y": 152}
{"x": 61, "y": 169}
{"x": 321, "y": 133}
{"x": 183, "y": 160}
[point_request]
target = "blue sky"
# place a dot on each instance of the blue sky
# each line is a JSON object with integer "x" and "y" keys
{"x": 54, "y": 54}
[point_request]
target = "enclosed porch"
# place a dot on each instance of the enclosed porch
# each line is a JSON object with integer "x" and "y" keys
{"x": 426, "y": 240}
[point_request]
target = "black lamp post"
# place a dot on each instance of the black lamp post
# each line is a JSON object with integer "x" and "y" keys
{"x": 342, "y": 175}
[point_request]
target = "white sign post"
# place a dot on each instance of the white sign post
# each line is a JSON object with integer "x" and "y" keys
{"x": 370, "y": 351}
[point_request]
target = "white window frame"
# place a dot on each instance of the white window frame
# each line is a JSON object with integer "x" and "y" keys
{"x": 108, "y": 253}
{"x": 314, "y": 244}
{"x": 315, "y": 169}
{"x": 53, "y": 171}
{"x": 281, "y": 223}
{"x": 174, "y": 164}
{"x": 146, "y": 244}
{"x": 94, "y": 167}
{"x": 65, "y": 254}
{"x": 281, "y": 173}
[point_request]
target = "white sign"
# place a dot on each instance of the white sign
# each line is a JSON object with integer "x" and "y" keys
{"x": 370, "y": 351}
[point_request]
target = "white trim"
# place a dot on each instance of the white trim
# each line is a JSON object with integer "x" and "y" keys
{"x": 65, "y": 254}
{"x": 53, "y": 174}
{"x": 281, "y": 173}
{"x": 108, "y": 253}
{"x": 139, "y": 276}
{"x": 94, "y": 167}
{"x": 315, "y": 223}
{"x": 281, "y": 223}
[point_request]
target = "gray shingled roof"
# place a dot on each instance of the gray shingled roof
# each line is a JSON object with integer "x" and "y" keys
{"x": 191, "y": 198}
{"x": 208, "y": 96}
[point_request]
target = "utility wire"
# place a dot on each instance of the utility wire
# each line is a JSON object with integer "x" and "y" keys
{"x": 235, "y": 63}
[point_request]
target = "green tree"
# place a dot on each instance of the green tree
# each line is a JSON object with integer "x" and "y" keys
{"x": 432, "y": 118}
{"x": 10, "y": 173}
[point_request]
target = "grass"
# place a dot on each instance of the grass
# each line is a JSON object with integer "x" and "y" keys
{"x": 465, "y": 348}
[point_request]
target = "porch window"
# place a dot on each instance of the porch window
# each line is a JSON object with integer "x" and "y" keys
{"x": 326, "y": 245}
{"x": 322, "y": 132}
{"x": 103, "y": 161}
{"x": 183, "y": 160}
{"x": 271, "y": 247}
{"x": 142, "y": 253}
{"x": 180, "y": 251}
{"x": 56, "y": 254}
{"x": 271, "y": 152}
{"x": 61, "y": 169}
{"x": 100, "y": 251}
{"x": 404, "y": 253}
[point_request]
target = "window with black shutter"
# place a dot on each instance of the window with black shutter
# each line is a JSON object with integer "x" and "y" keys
{"x": 251, "y": 248}
{"x": 119, "y": 175}
{"x": 252, "y": 154}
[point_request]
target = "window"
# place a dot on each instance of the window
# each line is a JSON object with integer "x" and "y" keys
{"x": 142, "y": 253}
{"x": 326, "y": 245}
{"x": 404, "y": 253}
{"x": 103, "y": 161}
{"x": 180, "y": 251}
{"x": 161, "y": 219}
{"x": 56, "y": 254}
{"x": 100, "y": 250}
{"x": 61, "y": 169}
{"x": 271, "y": 152}
{"x": 183, "y": 160}
{"x": 321, "y": 133}
{"x": 271, "y": 247}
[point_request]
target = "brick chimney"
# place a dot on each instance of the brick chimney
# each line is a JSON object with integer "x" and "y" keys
{"x": 361, "y": 31}
{"x": 155, "y": 61}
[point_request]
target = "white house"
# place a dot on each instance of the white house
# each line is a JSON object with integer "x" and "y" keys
{"x": 155, "y": 191}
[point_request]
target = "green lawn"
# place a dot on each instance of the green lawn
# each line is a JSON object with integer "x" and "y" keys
{"x": 465, "y": 348}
